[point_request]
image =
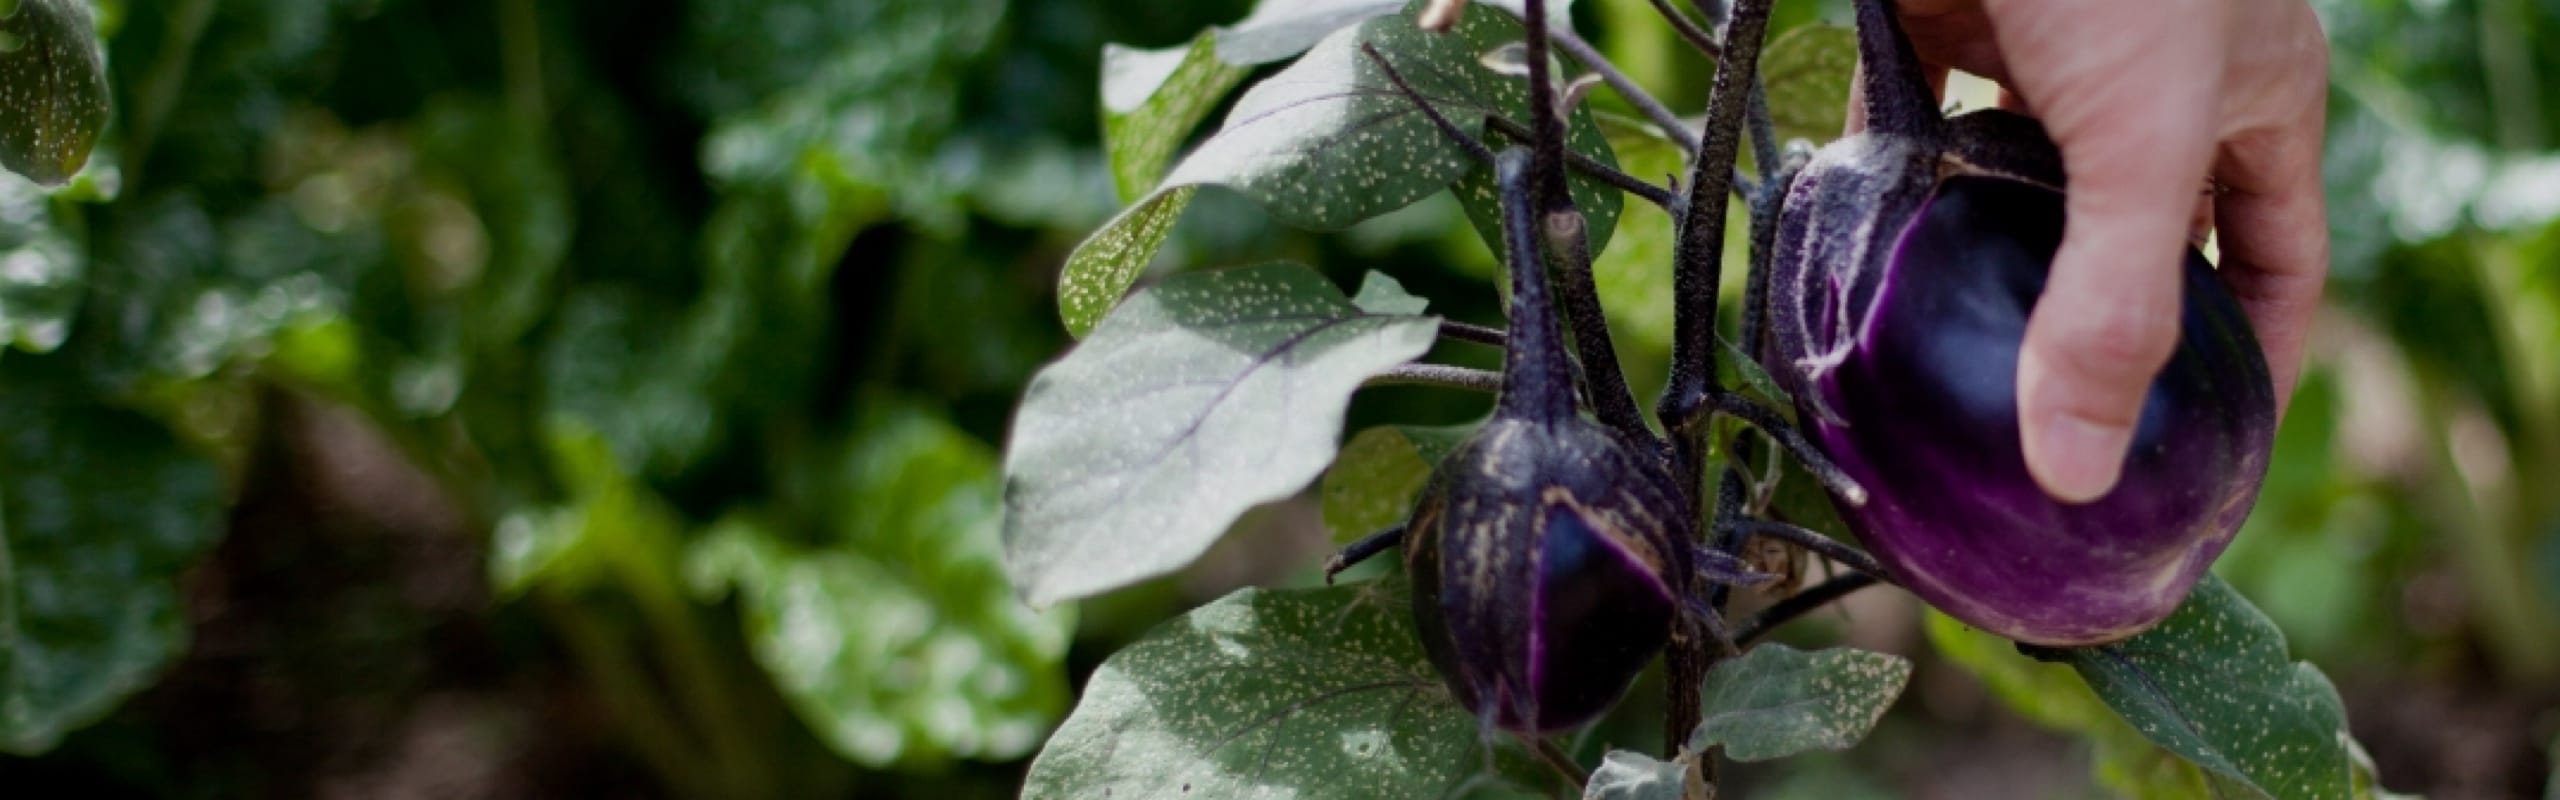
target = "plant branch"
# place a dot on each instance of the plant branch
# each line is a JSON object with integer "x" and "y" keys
{"x": 1788, "y": 610}
{"x": 1556, "y": 757}
{"x": 1626, "y": 87}
{"x": 1699, "y": 252}
{"x": 1440, "y": 375}
{"x": 1471, "y": 333}
{"x": 1590, "y": 167}
{"x": 1696, "y": 37}
{"x": 1824, "y": 546}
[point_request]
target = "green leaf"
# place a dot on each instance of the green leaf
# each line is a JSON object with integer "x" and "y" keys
{"x": 1278, "y": 29}
{"x": 42, "y": 270}
{"x": 892, "y": 630}
{"x": 2214, "y": 684}
{"x": 1373, "y": 483}
{"x": 611, "y": 522}
{"x": 1310, "y": 693}
{"x": 1807, "y": 71}
{"x": 1776, "y": 701}
{"x": 53, "y": 89}
{"x": 1629, "y": 775}
{"x": 1205, "y": 396}
{"x": 1326, "y": 143}
{"x": 1152, "y": 99}
{"x": 1381, "y": 294}
{"x": 101, "y": 509}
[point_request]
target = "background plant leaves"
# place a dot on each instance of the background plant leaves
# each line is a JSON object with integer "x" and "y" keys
{"x": 1372, "y": 484}
{"x": 100, "y": 511}
{"x": 892, "y": 630}
{"x": 1200, "y": 398}
{"x": 1807, "y": 71}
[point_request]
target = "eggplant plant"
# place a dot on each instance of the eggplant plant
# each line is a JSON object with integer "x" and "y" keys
{"x": 1556, "y": 549}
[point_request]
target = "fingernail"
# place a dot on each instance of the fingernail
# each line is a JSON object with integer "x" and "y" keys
{"x": 2077, "y": 460}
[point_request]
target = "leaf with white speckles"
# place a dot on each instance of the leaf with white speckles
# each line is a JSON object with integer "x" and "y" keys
{"x": 1317, "y": 693}
{"x": 2214, "y": 684}
{"x": 1329, "y": 142}
{"x": 1776, "y": 701}
{"x": 1152, "y": 99}
{"x": 1381, "y": 293}
{"x": 1629, "y": 775}
{"x": 1197, "y": 400}
{"x": 53, "y": 89}
{"x": 1373, "y": 483}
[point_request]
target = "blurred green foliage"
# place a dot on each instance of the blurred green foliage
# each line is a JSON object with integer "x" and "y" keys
{"x": 708, "y": 317}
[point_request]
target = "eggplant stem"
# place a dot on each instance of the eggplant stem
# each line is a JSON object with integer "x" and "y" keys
{"x": 1809, "y": 539}
{"x": 1689, "y": 31}
{"x": 1785, "y": 611}
{"x": 1361, "y": 550}
{"x": 1652, "y": 107}
{"x": 1471, "y": 333}
{"x": 1759, "y": 416}
{"x": 1556, "y": 758}
{"x": 1587, "y": 166}
{"x": 1439, "y": 375}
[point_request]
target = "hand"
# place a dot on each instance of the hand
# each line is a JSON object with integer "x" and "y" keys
{"x": 2146, "y": 99}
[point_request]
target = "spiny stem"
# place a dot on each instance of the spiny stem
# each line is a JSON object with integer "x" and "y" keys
{"x": 1898, "y": 98}
{"x": 1440, "y": 375}
{"x": 1785, "y": 611}
{"x": 1699, "y": 251}
{"x": 1626, "y": 87}
{"x": 1821, "y": 545}
{"x": 1546, "y": 120}
{"x": 1698, "y": 264}
{"x": 1764, "y": 131}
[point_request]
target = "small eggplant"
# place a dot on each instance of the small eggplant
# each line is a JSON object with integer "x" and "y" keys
{"x": 1907, "y": 260}
{"x": 1546, "y": 569}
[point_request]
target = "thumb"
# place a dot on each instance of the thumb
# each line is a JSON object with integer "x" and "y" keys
{"x": 2127, "y": 90}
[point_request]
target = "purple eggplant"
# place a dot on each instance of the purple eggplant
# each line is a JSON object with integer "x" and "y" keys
{"x": 1546, "y": 566}
{"x": 1906, "y": 262}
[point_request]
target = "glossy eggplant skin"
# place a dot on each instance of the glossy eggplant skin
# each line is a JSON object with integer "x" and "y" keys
{"x": 1545, "y": 571}
{"x": 1903, "y": 279}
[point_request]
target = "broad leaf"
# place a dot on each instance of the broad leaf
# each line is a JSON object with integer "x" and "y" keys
{"x": 1199, "y": 399}
{"x": 2215, "y": 685}
{"x": 1326, "y": 143}
{"x": 892, "y": 630}
{"x": 1372, "y": 485}
{"x": 1807, "y": 71}
{"x": 1278, "y": 29}
{"x": 1776, "y": 701}
{"x": 101, "y": 510}
{"x": 1309, "y": 693}
{"x": 1629, "y": 775}
{"x": 53, "y": 89}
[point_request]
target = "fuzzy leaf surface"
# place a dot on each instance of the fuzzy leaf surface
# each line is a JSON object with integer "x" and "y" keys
{"x": 1630, "y": 775}
{"x": 1312, "y": 693}
{"x": 2214, "y": 684}
{"x": 1776, "y": 701}
{"x": 1197, "y": 400}
{"x": 1326, "y": 143}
